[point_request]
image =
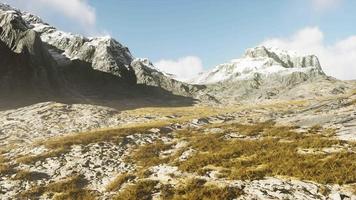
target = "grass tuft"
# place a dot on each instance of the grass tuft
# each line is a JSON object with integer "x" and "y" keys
{"x": 28, "y": 159}
{"x": 149, "y": 155}
{"x": 29, "y": 176}
{"x": 197, "y": 189}
{"x": 141, "y": 190}
{"x": 69, "y": 188}
{"x": 119, "y": 181}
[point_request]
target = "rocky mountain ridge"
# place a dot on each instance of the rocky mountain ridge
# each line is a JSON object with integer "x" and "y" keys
{"x": 263, "y": 62}
{"x": 73, "y": 67}
{"x": 104, "y": 53}
{"x": 270, "y": 73}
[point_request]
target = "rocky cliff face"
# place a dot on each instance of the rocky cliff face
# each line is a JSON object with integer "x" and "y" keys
{"x": 25, "y": 65}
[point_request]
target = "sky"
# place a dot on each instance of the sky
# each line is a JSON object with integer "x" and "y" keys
{"x": 186, "y": 37}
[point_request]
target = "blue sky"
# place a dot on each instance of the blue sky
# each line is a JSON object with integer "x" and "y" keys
{"x": 215, "y": 31}
{"x": 196, "y": 35}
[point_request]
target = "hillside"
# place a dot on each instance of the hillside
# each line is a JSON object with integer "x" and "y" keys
{"x": 82, "y": 118}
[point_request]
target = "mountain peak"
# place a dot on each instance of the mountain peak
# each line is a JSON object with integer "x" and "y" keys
{"x": 262, "y": 61}
{"x": 263, "y": 51}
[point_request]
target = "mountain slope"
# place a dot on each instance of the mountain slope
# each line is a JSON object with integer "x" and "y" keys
{"x": 68, "y": 67}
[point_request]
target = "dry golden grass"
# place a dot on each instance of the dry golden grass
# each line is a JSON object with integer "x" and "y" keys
{"x": 119, "y": 181}
{"x": 192, "y": 112}
{"x": 353, "y": 92}
{"x": 141, "y": 190}
{"x": 5, "y": 167}
{"x": 69, "y": 188}
{"x": 197, "y": 189}
{"x": 353, "y": 102}
{"x": 182, "y": 113}
{"x": 60, "y": 145}
{"x": 29, "y": 175}
{"x": 111, "y": 135}
{"x": 270, "y": 157}
{"x": 115, "y": 134}
{"x": 28, "y": 159}
{"x": 149, "y": 155}
{"x": 76, "y": 194}
{"x": 3, "y": 159}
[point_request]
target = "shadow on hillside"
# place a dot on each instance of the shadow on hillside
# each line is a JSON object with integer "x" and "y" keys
{"x": 79, "y": 83}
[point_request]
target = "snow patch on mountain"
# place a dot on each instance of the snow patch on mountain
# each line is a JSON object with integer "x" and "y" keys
{"x": 103, "y": 53}
{"x": 263, "y": 61}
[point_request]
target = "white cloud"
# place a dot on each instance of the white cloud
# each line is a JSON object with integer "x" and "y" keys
{"x": 338, "y": 59}
{"x": 321, "y": 5}
{"x": 183, "y": 68}
{"x": 77, "y": 12}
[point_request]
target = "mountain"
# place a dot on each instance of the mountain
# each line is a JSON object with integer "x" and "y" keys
{"x": 47, "y": 63}
{"x": 42, "y": 63}
{"x": 262, "y": 62}
{"x": 82, "y": 118}
{"x": 270, "y": 73}
{"x": 104, "y": 53}
{"x": 26, "y": 66}
{"x": 148, "y": 74}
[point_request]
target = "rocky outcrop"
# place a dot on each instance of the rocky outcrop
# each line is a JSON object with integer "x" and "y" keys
{"x": 147, "y": 74}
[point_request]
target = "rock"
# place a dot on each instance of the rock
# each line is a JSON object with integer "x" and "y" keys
{"x": 186, "y": 154}
{"x": 335, "y": 196}
{"x": 200, "y": 121}
{"x": 50, "y": 119}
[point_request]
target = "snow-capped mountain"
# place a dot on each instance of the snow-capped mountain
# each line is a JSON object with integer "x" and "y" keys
{"x": 104, "y": 53}
{"x": 263, "y": 62}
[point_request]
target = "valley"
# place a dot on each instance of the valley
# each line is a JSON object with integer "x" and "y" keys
{"x": 82, "y": 118}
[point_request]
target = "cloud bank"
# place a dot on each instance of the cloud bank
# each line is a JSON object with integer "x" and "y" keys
{"x": 183, "y": 68}
{"x": 77, "y": 12}
{"x": 337, "y": 60}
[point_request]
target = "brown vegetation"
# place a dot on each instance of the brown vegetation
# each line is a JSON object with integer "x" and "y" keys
{"x": 197, "y": 189}
{"x": 141, "y": 190}
{"x": 69, "y": 188}
{"x": 119, "y": 181}
{"x": 269, "y": 156}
